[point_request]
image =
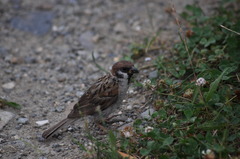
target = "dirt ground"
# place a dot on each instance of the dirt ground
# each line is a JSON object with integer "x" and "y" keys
{"x": 46, "y": 62}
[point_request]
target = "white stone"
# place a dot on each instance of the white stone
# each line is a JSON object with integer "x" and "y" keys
{"x": 120, "y": 112}
{"x": 5, "y": 117}
{"x": 9, "y": 85}
{"x": 129, "y": 107}
{"x": 148, "y": 59}
{"x": 42, "y": 122}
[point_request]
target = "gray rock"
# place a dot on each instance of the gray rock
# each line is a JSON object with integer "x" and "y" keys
{"x": 22, "y": 120}
{"x": 2, "y": 140}
{"x": 129, "y": 107}
{"x": 120, "y": 28}
{"x": 18, "y": 127}
{"x": 147, "y": 114}
{"x": 69, "y": 88}
{"x": 86, "y": 40}
{"x": 3, "y": 52}
{"x": 61, "y": 78}
{"x": 5, "y": 117}
{"x": 8, "y": 71}
{"x": 30, "y": 60}
{"x": 18, "y": 144}
{"x": 153, "y": 74}
{"x": 59, "y": 109}
{"x": 55, "y": 145}
{"x": 9, "y": 85}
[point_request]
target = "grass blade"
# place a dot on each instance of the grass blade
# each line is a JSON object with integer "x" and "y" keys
{"x": 11, "y": 104}
{"x": 214, "y": 86}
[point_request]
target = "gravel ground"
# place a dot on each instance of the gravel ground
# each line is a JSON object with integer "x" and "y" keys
{"x": 46, "y": 63}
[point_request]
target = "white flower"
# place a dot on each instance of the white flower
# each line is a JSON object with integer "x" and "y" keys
{"x": 89, "y": 145}
{"x": 146, "y": 82}
{"x": 148, "y": 129}
{"x": 208, "y": 154}
{"x": 201, "y": 81}
{"x": 127, "y": 134}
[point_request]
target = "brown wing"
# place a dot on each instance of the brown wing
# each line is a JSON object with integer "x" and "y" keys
{"x": 101, "y": 94}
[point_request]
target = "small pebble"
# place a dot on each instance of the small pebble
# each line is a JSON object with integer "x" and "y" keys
{"x": 130, "y": 91}
{"x": 39, "y": 50}
{"x": 56, "y": 145}
{"x": 9, "y": 85}
{"x": 18, "y": 127}
{"x": 147, "y": 114}
{"x": 148, "y": 59}
{"x": 2, "y": 140}
{"x": 16, "y": 137}
{"x": 129, "y": 120}
{"x": 42, "y": 122}
{"x": 59, "y": 109}
{"x": 30, "y": 60}
{"x": 70, "y": 129}
{"x": 22, "y": 120}
{"x": 120, "y": 27}
{"x": 129, "y": 107}
{"x": 62, "y": 78}
{"x": 5, "y": 117}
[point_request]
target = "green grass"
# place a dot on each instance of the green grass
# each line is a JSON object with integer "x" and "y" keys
{"x": 192, "y": 119}
{"x": 4, "y": 102}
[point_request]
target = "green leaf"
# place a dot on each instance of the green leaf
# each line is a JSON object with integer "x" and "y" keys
{"x": 210, "y": 41}
{"x": 218, "y": 148}
{"x": 195, "y": 94}
{"x": 162, "y": 113}
{"x": 168, "y": 141}
{"x": 112, "y": 139}
{"x": 145, "y": 152}
{"x": 194, "y": 9}
{"x": 214, "y": 86}
{"x": 188, "y": 113}
{"x": 203, "y": 41}
{"x": 137, "y": 122}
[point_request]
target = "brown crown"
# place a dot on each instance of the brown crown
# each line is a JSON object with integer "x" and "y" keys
{"x": 121, "y": 64}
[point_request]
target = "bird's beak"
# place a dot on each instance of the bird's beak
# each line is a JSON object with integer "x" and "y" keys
{"x": 133, "y": 70}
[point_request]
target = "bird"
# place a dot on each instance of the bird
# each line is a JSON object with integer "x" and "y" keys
{"x": 102, "y": 98}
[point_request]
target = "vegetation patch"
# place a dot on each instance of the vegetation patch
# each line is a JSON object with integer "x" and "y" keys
{"x": 196, "y": 96}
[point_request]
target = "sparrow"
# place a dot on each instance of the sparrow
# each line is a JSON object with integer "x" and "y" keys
{"x": 102, "y": 98}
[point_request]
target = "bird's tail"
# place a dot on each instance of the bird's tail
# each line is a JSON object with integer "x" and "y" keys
{"x": 49, "y": 132}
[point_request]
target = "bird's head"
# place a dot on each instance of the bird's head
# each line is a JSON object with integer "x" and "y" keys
{"x": 124, "y": 69}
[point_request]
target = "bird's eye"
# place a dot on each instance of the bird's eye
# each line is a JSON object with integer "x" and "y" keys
{"x": 124, "y": 69}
